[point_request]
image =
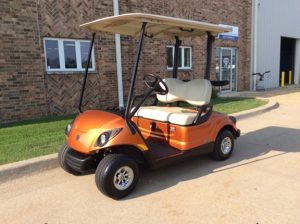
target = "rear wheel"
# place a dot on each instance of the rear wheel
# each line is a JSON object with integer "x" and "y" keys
{"x": 62, "y": 159}
{"x": 224, "y": 145}
{"x": 117, "y": 175}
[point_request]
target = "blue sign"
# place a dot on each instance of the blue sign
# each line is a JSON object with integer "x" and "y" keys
{"x": 233, "y": 35}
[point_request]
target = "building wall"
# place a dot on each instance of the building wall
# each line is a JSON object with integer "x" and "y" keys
{"x": 276, "y": 19}
{"x": 27, "y": 22}
{"x": 225, "y": 12}
{"x": 22, "y": 82}
{"x": 61, "y": 19}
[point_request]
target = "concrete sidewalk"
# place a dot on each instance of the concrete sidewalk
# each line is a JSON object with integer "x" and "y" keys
{"x": 271, "y": 93}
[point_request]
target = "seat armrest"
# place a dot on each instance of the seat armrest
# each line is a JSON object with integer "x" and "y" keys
{"x": 220, "y": 83}
{"x": 200, "y": 118}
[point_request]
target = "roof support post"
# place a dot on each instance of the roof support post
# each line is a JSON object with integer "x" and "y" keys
{"x": 86, "y": 73}
{"x": 133, "y": 78}
{"x": 176, "y": 54}
{"x": 210, "y": 41}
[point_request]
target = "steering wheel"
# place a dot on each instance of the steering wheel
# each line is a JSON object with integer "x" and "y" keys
{"x": 156, "y": 84}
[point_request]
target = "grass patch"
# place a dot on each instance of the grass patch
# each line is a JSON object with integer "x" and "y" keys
{"x": 237, "y": 104}
{"x": 228, "y": 105}
{"x": 28, "y": 139}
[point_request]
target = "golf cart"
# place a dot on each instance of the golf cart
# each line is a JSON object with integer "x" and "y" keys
{"x": 116, "y": 145}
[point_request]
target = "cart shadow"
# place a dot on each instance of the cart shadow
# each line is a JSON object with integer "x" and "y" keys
{"x": 251, "y": 147}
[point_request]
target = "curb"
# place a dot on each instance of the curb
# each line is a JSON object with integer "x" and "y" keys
{"x": 18, "y": 169}
{"x": 256, "y": 111}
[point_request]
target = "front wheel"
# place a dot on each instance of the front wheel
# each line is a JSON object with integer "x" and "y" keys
{"x": 62, "y": 159}
{"x": 224, "y": 145}
{"x": 116, "y": 175}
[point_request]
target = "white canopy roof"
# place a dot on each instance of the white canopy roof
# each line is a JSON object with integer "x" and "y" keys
{"x": 158, "y": 27}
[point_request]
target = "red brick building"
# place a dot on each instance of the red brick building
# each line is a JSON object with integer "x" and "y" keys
{"x": 31, "y": 88}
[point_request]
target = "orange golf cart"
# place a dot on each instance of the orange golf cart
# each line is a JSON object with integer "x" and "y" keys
{"x": 116, "y": 144}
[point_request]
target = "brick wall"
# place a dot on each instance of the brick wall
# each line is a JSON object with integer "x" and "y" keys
{"x": 237, "y": 13}
{"x": 22, "y": 81}
{"x": 26, "y": 91}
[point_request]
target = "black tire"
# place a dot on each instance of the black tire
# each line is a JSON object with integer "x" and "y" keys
{"x": 218, "y": 153}
{"x": 62, "y": 160}
{"x": 106, "y": 171}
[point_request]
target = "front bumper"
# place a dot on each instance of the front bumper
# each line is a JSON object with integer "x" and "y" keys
{"x": 238, "y": 133}
{"x": 79, "y": 161}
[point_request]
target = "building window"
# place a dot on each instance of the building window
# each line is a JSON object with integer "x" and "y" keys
{"x": 184, "y": 57}
{"x": 67, "y": 55}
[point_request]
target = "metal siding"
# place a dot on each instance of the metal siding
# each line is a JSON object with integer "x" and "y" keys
{"x": 276, "y": 18}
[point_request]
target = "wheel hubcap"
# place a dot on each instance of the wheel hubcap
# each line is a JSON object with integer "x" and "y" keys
{"x": 226, "y": 145}
{"x": 123, "y": 178}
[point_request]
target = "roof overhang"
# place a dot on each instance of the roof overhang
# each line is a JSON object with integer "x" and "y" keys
{"x": 158, "y": 27}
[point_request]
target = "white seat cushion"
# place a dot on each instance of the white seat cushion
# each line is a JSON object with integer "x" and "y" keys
{"x": 196, "y": 92}
{"x": 173, "y": 115}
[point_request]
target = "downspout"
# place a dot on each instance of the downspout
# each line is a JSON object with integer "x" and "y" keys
{"x": 254, "y": 41}
{"x": 119, "y": 59}
{"x": 209, "y": 46}
{"x": 176, "y": 53}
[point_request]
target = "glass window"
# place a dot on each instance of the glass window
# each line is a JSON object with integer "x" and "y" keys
{"x": 169, "y": 57}
{"x": 52, "y": 54}
{"x": 84, "y": 50}
{"x": 218, "y": 64}
{"x": 226, "y": 67}
{"x": 184, "y": 57}
{"x": 67, "y": 55}
{"x": 187, "y": 57}
{"x": 179, "y": 57}
{"x": 70, "y": 54}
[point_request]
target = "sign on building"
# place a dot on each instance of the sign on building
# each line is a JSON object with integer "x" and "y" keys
{"x": 233, "y": 35}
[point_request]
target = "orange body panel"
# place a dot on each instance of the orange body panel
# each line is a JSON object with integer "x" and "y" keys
{"x": 184, "y": 137}
{"x": 88, "y": 126}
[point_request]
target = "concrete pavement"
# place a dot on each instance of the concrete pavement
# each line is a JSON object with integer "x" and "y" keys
{"x": 270, "y": 93}
{"x": 259, "y": 184}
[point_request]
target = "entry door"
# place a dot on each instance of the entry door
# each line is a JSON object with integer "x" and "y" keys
{"x": 226, "y": 68}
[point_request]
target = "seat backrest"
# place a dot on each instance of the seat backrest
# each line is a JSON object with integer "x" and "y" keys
{"x": 196, "y": 92}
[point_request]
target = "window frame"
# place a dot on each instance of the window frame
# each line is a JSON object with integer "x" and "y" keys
{"x": 182, "y": 57}
{"x": 61, "y": 55}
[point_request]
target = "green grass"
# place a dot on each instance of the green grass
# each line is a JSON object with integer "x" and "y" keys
{"x": 28, "y": 139}
{"x": 229, "y": 105}
{"x": 234, "y": 105}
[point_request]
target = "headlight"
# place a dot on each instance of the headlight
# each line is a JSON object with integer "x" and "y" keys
{"x": 103, "y": 139}
{"x": 106, "y": 136}
{"x": 68, "y": 128}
